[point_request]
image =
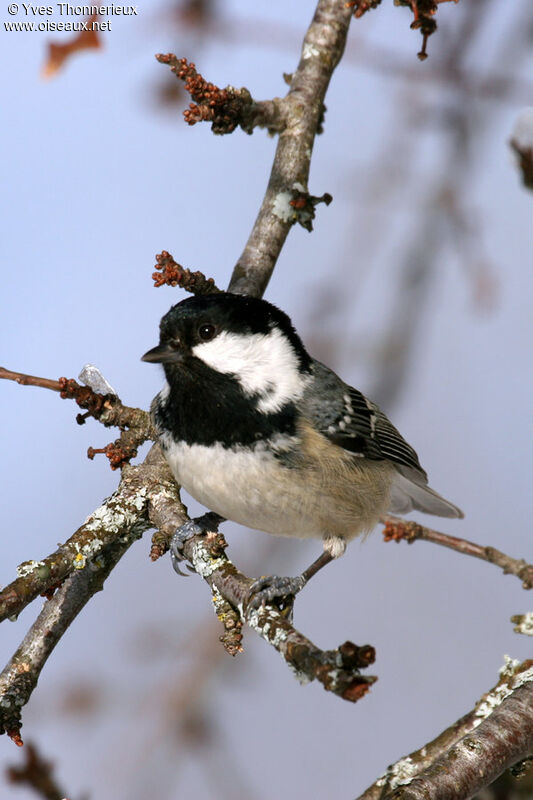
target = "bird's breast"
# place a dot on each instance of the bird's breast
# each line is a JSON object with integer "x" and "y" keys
{"x": 267, "y": 487}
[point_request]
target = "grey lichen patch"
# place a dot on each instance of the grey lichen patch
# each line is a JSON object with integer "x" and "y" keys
{"x": 118, "y": 519}
{"x": 204, "y": 563}
{"x": 509, "y": 667}
{"x": 399, "y": 774}
{"x": 27, "y": 567}
{"x": 270, "y": 628}
{"x": 280, "y": 637}
{"x": 219, "y": 603}
{"x": 523, "y": 623}
{"x": 116, "y": 514}
{"x": 273, "y": 631}
{"x": 85, "y": 553}
{"x": 504, "y": 689}
{"x": 163, "y": 494}
{"x": 523, "y": 677}
{"x": 282, "y": 208}
{"x": 491, "y": 701}
{"x": 309, "y": 51}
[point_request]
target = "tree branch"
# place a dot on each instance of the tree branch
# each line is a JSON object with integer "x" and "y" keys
{"x": 337, "y": 670}
{"x": 472, "y": 752}
{"x": 106, "y": 408}
{"x": 322, "y": 50}
{"x": 134, "y": 423}
{"x": 83, "y": 564}
{"x": 112, "y": 520}
{"x": 19, "y": 677}
{"x": 397, "y": 529}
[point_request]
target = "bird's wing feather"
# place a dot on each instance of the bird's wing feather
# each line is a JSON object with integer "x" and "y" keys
{"x": 347, "y": 418}
{"x": 368, "y": 432}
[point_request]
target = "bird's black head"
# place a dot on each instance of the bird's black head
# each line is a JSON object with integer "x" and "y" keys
{"x": 202, "y": 318}
{"x": 235, "y": 335}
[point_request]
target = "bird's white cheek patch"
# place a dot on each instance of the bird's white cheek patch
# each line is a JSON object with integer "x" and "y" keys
{"x": 264, "y": 364}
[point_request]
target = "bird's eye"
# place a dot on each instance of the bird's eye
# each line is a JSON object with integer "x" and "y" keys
{"x": 206, "y": 332}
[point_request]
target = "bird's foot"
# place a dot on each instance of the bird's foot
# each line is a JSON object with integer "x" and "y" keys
{"x": 194, "y": 527}
{"x": 273, "y": 589}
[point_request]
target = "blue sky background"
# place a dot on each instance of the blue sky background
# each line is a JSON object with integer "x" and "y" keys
{"x": 97, "y": 179}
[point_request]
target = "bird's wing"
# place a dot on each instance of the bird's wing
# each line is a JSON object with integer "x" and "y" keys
{"x": 348, "y": 419}
{"x": 364, "y": 430}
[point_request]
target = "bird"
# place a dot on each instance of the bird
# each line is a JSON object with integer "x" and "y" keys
{"x": 263, "y": 434}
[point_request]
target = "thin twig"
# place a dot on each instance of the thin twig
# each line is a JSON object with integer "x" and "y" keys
{"x": 37, "y": 774}
{"x": 107, "y": 409}
{"x": 397, "y": 529}
{"x": 134, "y": 423}
{"x": 29, "y": 380}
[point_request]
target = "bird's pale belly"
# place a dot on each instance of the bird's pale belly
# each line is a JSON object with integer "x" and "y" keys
{"x": 255, "y": 489}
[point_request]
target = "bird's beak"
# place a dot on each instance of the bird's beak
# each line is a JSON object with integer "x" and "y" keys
{"x": 162, "y": 353}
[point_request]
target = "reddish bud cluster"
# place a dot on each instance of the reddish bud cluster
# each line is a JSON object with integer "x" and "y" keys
{"x": 157, "y": 549}
{"x": 173, "y": 274}
{"x": 225, "y": 108}
{"x": 354, "y": 656}
{"x": 118, "y": 453}
{"x": 396, "y": 531}
{"x": 356, "y": 690}
{"x": 84, "y": 396}
{"x": 304, "y": 207}
{"x": 362, "y": 6}
{"x": 423, "y": 13}
{"x": 14, "y": 735}
{"x": 232, "y": 637}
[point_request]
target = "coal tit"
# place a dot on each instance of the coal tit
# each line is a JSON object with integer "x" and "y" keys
{"x": 262, "y": 434}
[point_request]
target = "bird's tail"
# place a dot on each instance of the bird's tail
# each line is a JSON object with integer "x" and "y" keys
{"x": 410, "y": 493}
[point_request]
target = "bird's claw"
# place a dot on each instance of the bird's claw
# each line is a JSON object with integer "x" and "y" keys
{"x": 194, "y": 527}
{"x": 181, "y": 536}
{"x": 274, "y": 589}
